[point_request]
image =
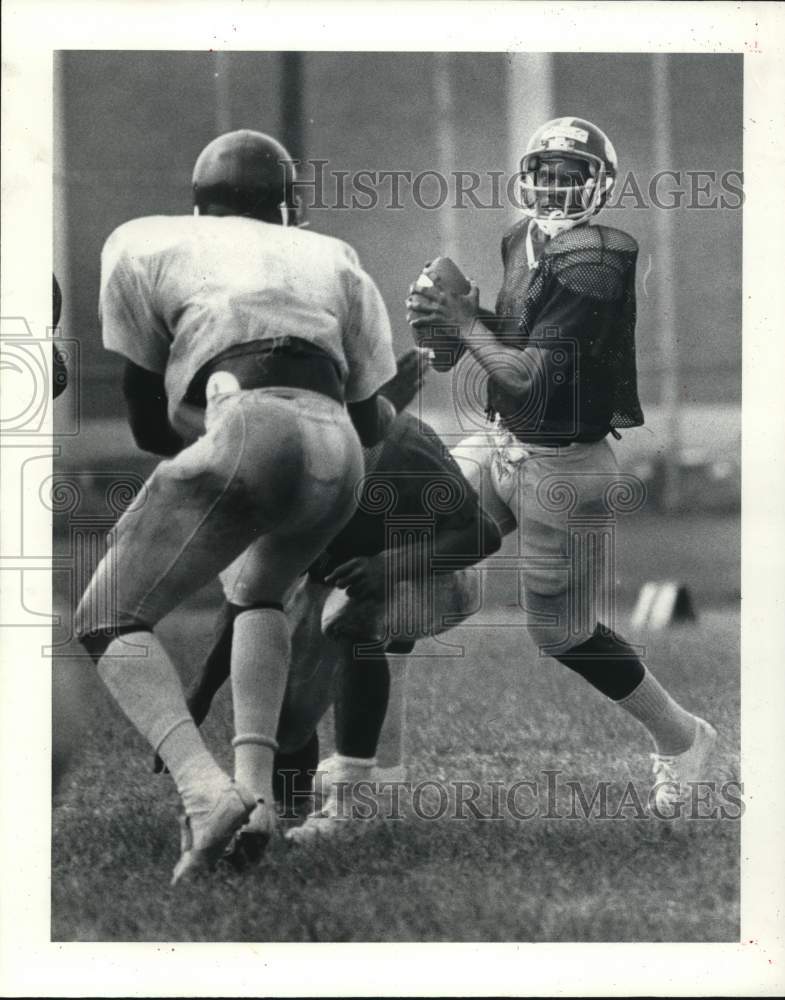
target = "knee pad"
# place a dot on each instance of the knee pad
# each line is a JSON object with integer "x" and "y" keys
{"x": 96, "y": 642}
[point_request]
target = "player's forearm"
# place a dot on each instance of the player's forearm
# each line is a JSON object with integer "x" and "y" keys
{"x": 147, "y": 411}
{"x": 157, "y": 440}
{"x": 450, "y": 549}
{"x": 513, "y": 370}
{"x": 371, "y": 418}
{"x": 457, "y": 548}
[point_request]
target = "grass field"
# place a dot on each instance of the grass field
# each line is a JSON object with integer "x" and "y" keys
{"x": 496, "y": 714}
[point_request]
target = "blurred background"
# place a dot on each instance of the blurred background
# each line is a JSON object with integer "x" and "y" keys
{"x": 129, "y": 126}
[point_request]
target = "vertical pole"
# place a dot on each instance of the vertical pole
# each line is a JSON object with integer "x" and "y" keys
{"x": 392, "y": 750}
{"x": 292, "y": 132}
{"x": 222, "y": 91}
{"x": 61, "y": 256}
{"x": 530, "y": 100}
{"x": 664, "y": 243}
{"x": 530, "y": 103}
{"x": 446, "y": 149}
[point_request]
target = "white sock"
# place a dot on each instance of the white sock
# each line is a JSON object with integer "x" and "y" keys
{"x": 261, "y": 648}
{"x": 671, "y": 727}
{"x": 339, "y": 780}
{"x": 344, "y": 768}
{"x": 148, "y": 690}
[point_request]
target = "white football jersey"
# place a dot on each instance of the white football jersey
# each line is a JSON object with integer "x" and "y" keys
{"x": 176, "y": 291}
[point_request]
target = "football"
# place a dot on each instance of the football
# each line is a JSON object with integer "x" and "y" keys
{"x": 443, "y": 342}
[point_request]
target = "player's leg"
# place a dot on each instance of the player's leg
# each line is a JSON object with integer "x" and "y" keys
{"x": 168, "y": 544}
{"x": 570, "y": 610}
{"x": 199, "y": 511}
{"x": 308, "y": 695}
{"x": 366, "y": 688}
{"x": 293, "y": 776}
{"x": 361, "y": 689}
{"x": 212, "y": 674}
{"x": 475, "y": 458}
{"x": 298, "y": 754}
{"x": 329, "y": 462}
{"x": 215, "y": 669}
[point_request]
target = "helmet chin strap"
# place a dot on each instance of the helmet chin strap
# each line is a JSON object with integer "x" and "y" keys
{"x": 552, "y": 226}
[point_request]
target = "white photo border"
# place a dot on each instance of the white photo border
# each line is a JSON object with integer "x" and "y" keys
{"x": 31, "y": 965}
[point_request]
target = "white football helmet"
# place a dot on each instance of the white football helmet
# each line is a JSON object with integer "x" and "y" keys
{"x": 574, "y": 141}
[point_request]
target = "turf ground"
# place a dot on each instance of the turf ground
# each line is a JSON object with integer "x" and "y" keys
{"x": 497, "y": 714}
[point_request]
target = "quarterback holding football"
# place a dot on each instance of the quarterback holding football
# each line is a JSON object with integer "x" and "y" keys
{"x": 558, "y": 356}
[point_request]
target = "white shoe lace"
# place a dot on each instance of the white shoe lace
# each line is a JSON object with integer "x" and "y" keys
{"x": 667, "y": 786}
{"x": 664, "y": 768}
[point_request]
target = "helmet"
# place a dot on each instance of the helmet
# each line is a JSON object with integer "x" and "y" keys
{"x": 248, "y": 172}
{"x": 567, "y": 139}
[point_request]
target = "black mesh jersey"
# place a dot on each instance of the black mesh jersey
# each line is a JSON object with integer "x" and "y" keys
{"x": 416, "y": 483}
{"x": 578, "y": 305}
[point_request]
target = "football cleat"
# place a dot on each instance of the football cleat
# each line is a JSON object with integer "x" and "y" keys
{"x": 341, "y": 815}
{"x": 204, "y": 838}
{"x": 674, "y": 773}
{"x": 251, "y": 840}
{"x": 341, "y": 812}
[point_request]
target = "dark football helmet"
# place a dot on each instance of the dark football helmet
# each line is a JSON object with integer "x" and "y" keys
{"x": 246, "y": 173}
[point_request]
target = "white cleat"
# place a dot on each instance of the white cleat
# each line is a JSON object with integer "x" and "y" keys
{"x": 204, "y": 838}
{"x": 342, "y": 817}
{"x": 342, "y": 812}
{"x": 673, "y": 774}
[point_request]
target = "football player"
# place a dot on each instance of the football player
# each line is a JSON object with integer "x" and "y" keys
{"x": 558, "y": 354}
{"x": 400, "y": 569}
{"x": 253, "y": 353}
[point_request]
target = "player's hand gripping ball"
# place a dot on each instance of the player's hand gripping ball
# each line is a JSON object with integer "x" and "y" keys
{"x": 432, "y": 311}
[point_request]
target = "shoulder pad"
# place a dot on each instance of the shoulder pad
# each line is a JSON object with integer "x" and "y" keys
{"x": 517, "y": 229}
{"x": 593, "y": 261}
{"x": 345, "y": 249}
{"x": 513, "y": 235}
{"x": 617, "y": 239}
{"x": 147, "y": 235}
{"x": 591, "y": 238}
{"x": 329, "y": 248}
